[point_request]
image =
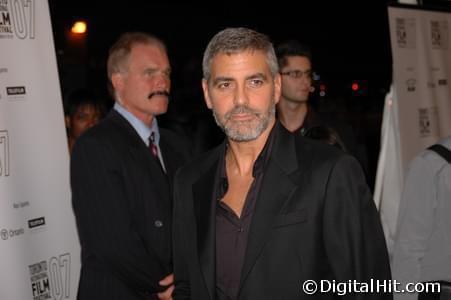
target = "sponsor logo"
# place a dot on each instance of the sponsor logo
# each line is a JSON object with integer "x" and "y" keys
{"x": 442, "y": 82}
{"x": 6, "y": 26}
{"x": 40, "y": 281}
{"x": 411, "y": 84}
{"x": 11, "y": 233}
{"x": 17, "y": 19}
{"x": 4, "y": 234}
{"x": 33, "y": 223}
{"x": 51, "y": 279}
{"x": 439, "y": 34}
{"x": 405, "y": 33}
{"x": 15, "y": 90}
{"x": 21, "y": 204}
{"x": 427, "y": 121}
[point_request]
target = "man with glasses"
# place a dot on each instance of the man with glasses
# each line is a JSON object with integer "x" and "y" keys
{"x": 294, "y": 111}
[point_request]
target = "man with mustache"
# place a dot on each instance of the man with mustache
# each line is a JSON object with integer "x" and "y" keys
{"x": 268, "y": 210}
{"x": 121, "y": 177}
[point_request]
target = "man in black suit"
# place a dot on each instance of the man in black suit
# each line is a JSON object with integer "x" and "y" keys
{"x": 268, "y": 210}
{"x": 295, "y": 111}
{"x": 121, "y": 180}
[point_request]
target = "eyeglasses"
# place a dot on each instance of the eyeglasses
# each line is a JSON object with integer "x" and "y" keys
{"x": 298, "y": 74}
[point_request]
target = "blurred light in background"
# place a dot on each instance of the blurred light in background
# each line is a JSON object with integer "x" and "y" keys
{"x": 79, "y": 27}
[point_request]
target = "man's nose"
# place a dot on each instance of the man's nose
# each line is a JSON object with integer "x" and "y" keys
{"x": 241, "y": 96}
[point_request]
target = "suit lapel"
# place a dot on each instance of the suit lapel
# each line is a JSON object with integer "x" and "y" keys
{"x": 205, "y": 210}
{"x": 139, "y": 150}
{"x": 170, "y": 158}
{"x": 275, "y": 191}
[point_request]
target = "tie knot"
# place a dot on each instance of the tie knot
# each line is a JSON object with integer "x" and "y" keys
{"x": 152, "y": 137}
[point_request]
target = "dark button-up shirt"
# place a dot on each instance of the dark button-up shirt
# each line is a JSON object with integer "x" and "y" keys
{"x": 232, "y": 231}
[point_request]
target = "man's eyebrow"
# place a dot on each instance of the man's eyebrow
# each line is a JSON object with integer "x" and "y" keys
{"x": 222, "y": 79}
{"x": 257, "y": 76}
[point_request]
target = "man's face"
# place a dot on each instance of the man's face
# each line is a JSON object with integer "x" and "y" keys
{"x": 143, "y": 88}
{"x": 84, "y": 118}
{"x": 296, "y": 79}
{"x": 242, "y": 94}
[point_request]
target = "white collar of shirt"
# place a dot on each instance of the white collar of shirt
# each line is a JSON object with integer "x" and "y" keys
{"x": 142, "y": 129}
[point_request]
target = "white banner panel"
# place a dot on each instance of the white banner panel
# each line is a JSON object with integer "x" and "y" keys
{"x": 420, "y": 112}
{"x": 38, "y": 240}
{"x": 421, "y": 67}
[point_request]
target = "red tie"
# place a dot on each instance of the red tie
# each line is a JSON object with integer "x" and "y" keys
{"x": 152, "y": 145}
{"x": 154, "y": 149}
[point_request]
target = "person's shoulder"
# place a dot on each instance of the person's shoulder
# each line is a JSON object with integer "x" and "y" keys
{"x": 110, "y": 131}
{"x": 200, "y": 164}
{"x": 317, "y": 150}
{"x": 430, "y": 159}
{"x": 173, "y": 137}
{"x": 322, "y": 158}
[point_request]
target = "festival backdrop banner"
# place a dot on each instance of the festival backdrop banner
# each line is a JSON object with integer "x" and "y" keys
{"x": 420, "y": 103}
{"x": 38, "y": 240}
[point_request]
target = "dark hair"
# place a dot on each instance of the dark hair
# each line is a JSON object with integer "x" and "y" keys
{"x": 291, "y": 48}
{"x": 80, "y": 97}
{"x": 325, "y": 134}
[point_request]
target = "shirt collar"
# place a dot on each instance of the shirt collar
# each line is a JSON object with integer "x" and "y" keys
{"x": 260, "y": 163}
{"x": 142, "y": 129}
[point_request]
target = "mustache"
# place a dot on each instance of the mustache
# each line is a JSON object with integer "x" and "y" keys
{"x": 158, "y": 93}
{"x": 242, "y": 109}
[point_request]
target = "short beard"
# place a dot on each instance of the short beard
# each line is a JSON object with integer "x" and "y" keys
{"x": 251, "y": 131}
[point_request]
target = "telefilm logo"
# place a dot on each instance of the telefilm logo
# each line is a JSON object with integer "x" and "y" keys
{"x": 33, "y": 223}
{"x": 17, "y": 19}
{"x": 36, "y": 225}
{"x": 16, "y": 92}
{"x": 51, "y": 280}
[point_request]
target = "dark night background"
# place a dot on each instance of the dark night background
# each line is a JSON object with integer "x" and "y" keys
{"x": 349, "y": 40}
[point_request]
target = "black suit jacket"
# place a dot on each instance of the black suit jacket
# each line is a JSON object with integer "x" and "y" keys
{"x": 122, "y": 203}
{"x": 314, "y": 220}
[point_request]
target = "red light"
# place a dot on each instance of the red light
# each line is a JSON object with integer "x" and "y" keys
{"x": 355, "y": 86}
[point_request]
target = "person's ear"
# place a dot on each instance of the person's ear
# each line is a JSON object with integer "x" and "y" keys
{"x": 277, "y": 88}
{"x": 67, "y": 121}
{"x": 206, "y": 94}
{"x": 117, "y": 80}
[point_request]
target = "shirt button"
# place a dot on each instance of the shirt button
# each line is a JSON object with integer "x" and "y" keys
{"x": 158, "y": 224}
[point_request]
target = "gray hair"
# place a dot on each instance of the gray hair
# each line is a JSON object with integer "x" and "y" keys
{"x": 236, "y": 40}
{"x": 120, "y": 51}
